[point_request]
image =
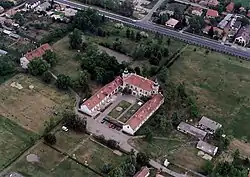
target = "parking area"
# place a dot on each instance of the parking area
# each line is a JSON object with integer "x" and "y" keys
{"x": 119, "y": 111}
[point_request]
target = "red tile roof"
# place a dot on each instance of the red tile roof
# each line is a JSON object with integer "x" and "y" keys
{"x": 196, "y": 8}
{"x": 142, "y": 173}
{"x": 144, "y": 111}
{"x": 212, "y": 13}
{"x": 102, "y": 93}
{"x": 38, "y": 52}
{"x": 230, "y": 7}
{"x": 139, "y": 81}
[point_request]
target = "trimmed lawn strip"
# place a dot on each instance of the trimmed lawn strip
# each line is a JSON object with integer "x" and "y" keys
{"x": 13, "y": 140}
{"x": 129, "y": 113}
{"x": 124, "y": 105}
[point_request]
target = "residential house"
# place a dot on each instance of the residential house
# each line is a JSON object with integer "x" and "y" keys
{"x": 230, "y": 7}
{"x": 32, "y": 4}
{"x": 207, "y": 148}
{"x": 1, "y": 9}
{"x": 93, "y": 105}
{"x": 36, "y": 53}
{"x": 70, "y": 12}
{"x": 172, "y": 22}
{"x": 43, "y": 7}
{"x": 217, "y": 31}
{"x": 144, "y": 172}
{"x": 248, "y": 13}
{"x": 225, "y": 21}
{"x": 189, "y": 129}
{"x": 212, "y": 13}
{"x": 208, "y": 125}
{"x": 236, "y": 25}
{"x": 143, "y": 114}
{"x": 10, "y": 13}
{"x": 243, "y": 36}
{"x": 195, "y": 10}
{"x": 209, "y": 3}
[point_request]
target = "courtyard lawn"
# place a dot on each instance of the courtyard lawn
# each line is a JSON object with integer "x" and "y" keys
{"x": 125, "y": 117}
{"x": 97, "y": 155}
{"x": 51, "y": 163}
{"x": 220, "y": 85}
{"x": 115, "y": 113}
{"x": 13, "y": 141}
{"x": 31, "y": 108}
{"x": 67, "y": 63}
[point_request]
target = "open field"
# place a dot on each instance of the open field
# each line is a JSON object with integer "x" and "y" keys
{"x": 219, "y": 84}
{"x": 30, "y": 108}
{"x": 51, "y": 163}
{"x": 124, "y": 105}
{"x": 67, "y": 63}
{"x": 96, "y": 155}
{"x": 124, "y": 118}
{"x": 13, "y": 140}
{"x": 244, "y": 3}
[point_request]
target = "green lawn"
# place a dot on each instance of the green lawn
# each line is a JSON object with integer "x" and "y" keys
{"x": 124, "y": 105}
{"x": 244, "y": 3}
{"x": 125, "y": 117}
{"x": 51, "y": 163}
{"x": 220, "y": 85}
{"x": 96, "y": 155}
{"x": 13, "y": 140}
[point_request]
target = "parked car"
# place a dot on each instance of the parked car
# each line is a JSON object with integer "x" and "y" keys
{"x": 113, "y": 126}
{"x": 103, "y": 121}
{"x": 65, "y": 128}
{"x": 110, "y": 125}
{"x": 118, "y": 128}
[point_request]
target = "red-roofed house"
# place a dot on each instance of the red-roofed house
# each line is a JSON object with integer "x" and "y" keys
{"x": 143, "y": 114}
{"x": 36, "y": 53}
{"x": 93, "y": 105}
{"x": 212, "y": 13}
{"x": 144, "y": 172}
{"x": 230, "y": 7}
{"x": 139, "y": 85}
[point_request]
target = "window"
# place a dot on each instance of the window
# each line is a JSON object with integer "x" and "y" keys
{"x": 146, "y": 93}
{"x": 141, "y": 90}
{"x": 154, "y": 92}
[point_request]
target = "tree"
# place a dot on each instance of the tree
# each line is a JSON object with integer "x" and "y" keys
{"x": 128, "y": 33}
{"x": 149, "y": 136}
{"x": 244, "y": 21}
{"x": 106, "y": 168}
{"x": 6, "y": 66}
{"x": 196, "y": 24}
{"x": 138, "y": 36}
{"x": 142, "y": 159}
{"x": 129, "y": 169}
{"x": 37, "y": 66}
{"x": 112, "y": 144}
{"x": 19, "y": 18}
{"x": 75, "y": 39}
{"x": 117, "y": 172}
{"x": 162, "y": 19}
{"x": 50, "y": 139}
{"x": 177, "y": 14}
{"x": 127, "y": 8}
{"x": 50, "y": 57}
{"x": 137, "y": 70}
{"x": 208, "y": 168}
{"x": 74, "y": 122}
{"x": 63, "y": 82}
{"x": 47, "y": 77}
{"x": 237, "y": 7}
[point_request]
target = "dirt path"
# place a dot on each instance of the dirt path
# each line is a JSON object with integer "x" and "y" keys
{"x": 243, "y": 147}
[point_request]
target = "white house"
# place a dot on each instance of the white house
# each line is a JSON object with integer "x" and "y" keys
{"x": 172, "y": 22}
{"x": 31, "y": 4}
{"x": 143, "y": 114}
{"x": 243, "y": 36}
{"x": 207, "y": 148}
{"x": 37, "y": 53}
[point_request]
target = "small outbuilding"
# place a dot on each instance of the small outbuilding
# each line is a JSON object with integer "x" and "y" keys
{"x": 172, "y": 22}
{"x": 208, "y": 125}
{"x": 189, "y": 129}
{"x": 207, "y": 148}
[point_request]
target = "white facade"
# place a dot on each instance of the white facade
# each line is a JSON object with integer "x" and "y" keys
{"x": 197, "y": 12}
{"x": 24, "y": 62}
{"x": 240, "y": 40}
{"x": 32, "y": 5}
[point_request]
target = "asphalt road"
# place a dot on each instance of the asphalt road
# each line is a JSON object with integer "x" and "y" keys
{"x": 187, "y": 37}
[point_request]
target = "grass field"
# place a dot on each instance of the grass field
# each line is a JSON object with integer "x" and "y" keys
{"x": 219, "y": 84}
{"x": 13, "y": 140}
{"x": 51, "y": 163}
{"x": 96, "y": 155}
{"x": 67, "y": 63}
{"x": 30, "y": 108}
{"x": 124, "y": 105}
{"x": 244, "y": 3}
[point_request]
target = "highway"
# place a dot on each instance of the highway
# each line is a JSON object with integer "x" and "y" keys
{"x": 187, "y": 37}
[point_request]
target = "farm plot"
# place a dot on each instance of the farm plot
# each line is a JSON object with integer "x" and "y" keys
{"x": 119, "y": 109}
{"x": 50, "y": 163}
{"x": 96, "y": 155}
{"x": 13, "y": 140}
{"x": 220, "y": 85}
{"x": 31, "y": 107}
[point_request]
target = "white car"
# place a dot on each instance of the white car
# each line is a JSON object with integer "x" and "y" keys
{"x": 65, "y": 128}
